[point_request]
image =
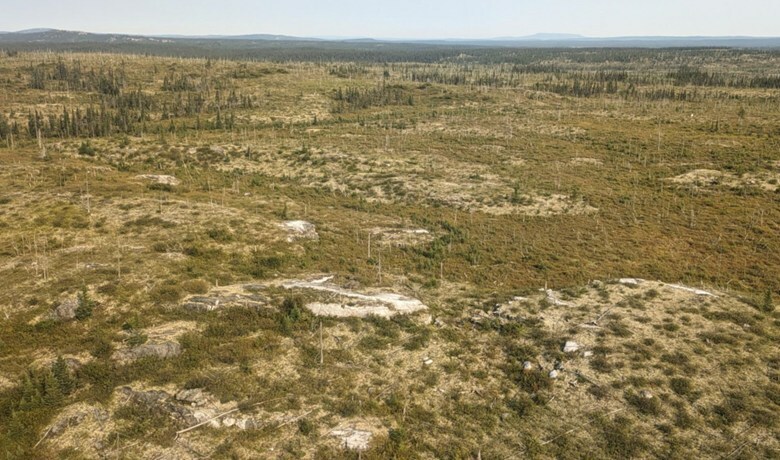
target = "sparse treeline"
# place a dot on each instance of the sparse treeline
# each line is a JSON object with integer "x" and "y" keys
{"x": 7, "y": 128}
{"x": 686, "y": 75}
{"x": 208, "y": 98}
{"x": 72, "y": 77}
{"x": 353, "y": 98}
{"x": 335, "y": 52}
{"x": 594, "y": 88}
{"x": 117, "y": 110}
{"x": 681, "y": 83}
{"x": 506, "y": 76}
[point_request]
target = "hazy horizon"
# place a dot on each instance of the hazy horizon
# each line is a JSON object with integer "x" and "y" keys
{"x": 403, "y": 19}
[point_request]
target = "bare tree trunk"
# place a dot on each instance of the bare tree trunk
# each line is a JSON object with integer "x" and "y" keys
{"x": 322, "y": 356}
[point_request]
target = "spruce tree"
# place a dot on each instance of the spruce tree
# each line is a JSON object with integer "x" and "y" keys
{"x": 52, "y": 394}
{"x": 86, "y": 304}
{"x": 62, "y": 375}
{"x": 767, "y": 305}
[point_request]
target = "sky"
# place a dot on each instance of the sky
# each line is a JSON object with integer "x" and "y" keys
{"x": 399, "y": 18}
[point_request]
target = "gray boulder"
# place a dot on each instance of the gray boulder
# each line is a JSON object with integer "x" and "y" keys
{"x": 167, "y": 349}
{"x": 66, "y": 310}
{"x": 247, "y": 424}
{"x": 62, "y": 423}
{"x": 213, "y": 302}
{"x": 195, "y": 397}
{"x": 160, "y": 402}
{"x": 571, "y": 346}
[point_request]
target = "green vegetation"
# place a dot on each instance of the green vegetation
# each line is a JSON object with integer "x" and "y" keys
{"x": 85, "y": 304}
{"x": 768, "y": 306}
{"x": 154, "y": 191}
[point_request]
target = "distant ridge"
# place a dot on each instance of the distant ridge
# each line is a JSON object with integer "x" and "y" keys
{"x": 31, "y": 31}
{"x": 41, "y": 36}
{"x": 239, "y": 37}
{"x": 360, "y": 40}
{"x": 543, "y": 36}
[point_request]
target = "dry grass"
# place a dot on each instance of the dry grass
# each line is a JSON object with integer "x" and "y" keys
{"x": 471, "y": 196}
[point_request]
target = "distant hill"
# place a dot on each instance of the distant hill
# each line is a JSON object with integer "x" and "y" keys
{"x": 543, "y": 36}
{"x": 360, "y": 40}
{"x": 66, "y": 36}
{"x": 578, "y": 41}
{"x": 32, "y": 31}
{"x": 229, "y": 44}
{"x": 239, "y": 37}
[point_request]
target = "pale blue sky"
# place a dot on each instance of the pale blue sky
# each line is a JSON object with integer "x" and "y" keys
{"x": 400, "y": 18}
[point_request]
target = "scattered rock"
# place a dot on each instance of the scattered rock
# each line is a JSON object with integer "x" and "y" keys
{"x": 66, "y": 310}
{"x": 300, "y": 230}
{"x": 75, "y": 417}
{"x": 174, "y": 255}
{"x": 195, "y": 397}
{"x": 95, "y": 266}
{"x": 180, "y": 407}
{"x": 159, "y": 179}
{"x": 553, "y": 374}
{"x": 351, "y": 284}
{"x": 160, "y": 401}
{"x": 355, "y": 304}
{"x": 527, "y": 366}
{"x": 478, "y": 316}
{"x": 570, "y": 346}
{"x": 207, "y": 415}
{"x": 427, "y": 361}
{"x": 689, "y": 289}
{"x": 401, "y": 237}
{"x": 353, "y": 438}
{"x": 507, "y": 311}
{"x": 218, "y": 300}
{"x": 247, "y": 424}
{"x": 646, "y": 394}
{"x": 582, "y": 161}
{"x": 630, "y": 281}
{"x": 587, "y": 354}
{"x": 709, "y": 178}
{"x": 552, "y": 298}
{"x": 702, "y": 177}
{"x": 78, "y": 249}
{"x": 202, "y": 304}
{"x": 167, "y": 349}
{"x": 423, "y": 319}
